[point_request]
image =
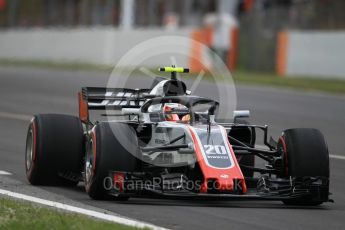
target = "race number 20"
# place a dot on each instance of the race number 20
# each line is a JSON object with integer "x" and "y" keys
{"x": 215, "y": 149}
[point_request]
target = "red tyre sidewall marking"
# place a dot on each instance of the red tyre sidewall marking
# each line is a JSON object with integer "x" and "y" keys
{"x": 34, "y": 144}
{"x": 282, "y": 140}
{"x": 93, "y": 137}
{"x": 31, "y": 169}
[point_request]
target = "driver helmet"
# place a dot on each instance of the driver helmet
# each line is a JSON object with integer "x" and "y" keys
{"x": 170, "y": 116}
{"x": 168, "y": 107}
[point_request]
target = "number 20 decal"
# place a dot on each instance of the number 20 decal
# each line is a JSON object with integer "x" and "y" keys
{"x": 215, "y": 149}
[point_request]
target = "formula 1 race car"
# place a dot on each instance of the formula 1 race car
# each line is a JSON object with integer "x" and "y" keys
{"x": 167, "y": 143}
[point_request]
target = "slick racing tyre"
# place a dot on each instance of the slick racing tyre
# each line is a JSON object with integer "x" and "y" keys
{"x": 111, "y": 147}
{"x": 54, "y": 150}
{"x": 305, "y": 154}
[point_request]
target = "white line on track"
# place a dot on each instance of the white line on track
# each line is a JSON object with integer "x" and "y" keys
{"x": 99, "y": 215}
{"x": 337, "y": 157}
{"x": 4, "y": 173}
{"x": 16, "y": 116}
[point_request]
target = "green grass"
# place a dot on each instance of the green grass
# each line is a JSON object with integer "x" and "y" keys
{"x": 301, "y": 83}
{"x": 23, "y": 215}
{"x": 240, "y": 77}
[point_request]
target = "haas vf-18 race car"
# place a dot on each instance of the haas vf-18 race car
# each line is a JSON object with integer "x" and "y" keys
{"x": 164, "y": 142}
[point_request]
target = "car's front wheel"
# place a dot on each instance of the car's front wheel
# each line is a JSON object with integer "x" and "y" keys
{"x": 305, "y": 155}
{"x": 110, "y": 147}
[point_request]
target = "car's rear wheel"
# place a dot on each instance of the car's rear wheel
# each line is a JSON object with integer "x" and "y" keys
{"x": 54, "y": 150}
{"x": 111, "y": 147}
{"x": 305, "y": 154}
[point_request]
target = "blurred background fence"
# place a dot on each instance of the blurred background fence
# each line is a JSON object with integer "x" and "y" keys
{"x": 259, "y": 21}
{"x": 260, "y": 26}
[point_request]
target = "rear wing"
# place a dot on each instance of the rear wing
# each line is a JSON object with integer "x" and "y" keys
{"x": 97, "y": 98}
